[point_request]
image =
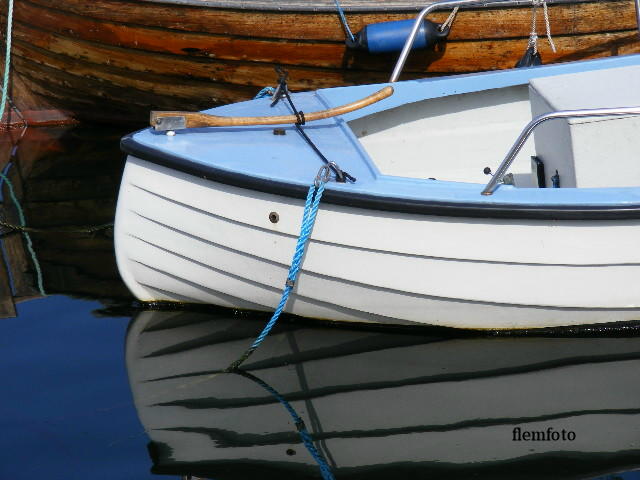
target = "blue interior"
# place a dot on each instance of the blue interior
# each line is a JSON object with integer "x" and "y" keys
{"x": 257, "y": 152}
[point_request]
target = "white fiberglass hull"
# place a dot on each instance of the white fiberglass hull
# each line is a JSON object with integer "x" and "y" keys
{"x": 186, "y": 239}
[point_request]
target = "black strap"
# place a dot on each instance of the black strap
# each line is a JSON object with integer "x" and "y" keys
{"x": 283, "y": 91}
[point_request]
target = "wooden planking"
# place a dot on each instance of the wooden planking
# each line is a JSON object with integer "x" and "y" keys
{"x": 33, "y": 109}
{"x": 459, "y": 57}
{"x": 224, "y": 47}
{"x": 114, "y": 103}
{"x": 599, "y": 16}
{"x": 329, "y": 5}
{"x": 113, "y": 59}
{"x": 172, "y": 82}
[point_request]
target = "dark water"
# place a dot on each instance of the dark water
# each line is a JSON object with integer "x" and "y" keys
{"x": 96, "y": 387}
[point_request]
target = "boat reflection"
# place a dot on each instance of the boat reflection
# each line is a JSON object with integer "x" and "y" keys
{"x": 380, "y": 403}
{"x": 65, "y": 180}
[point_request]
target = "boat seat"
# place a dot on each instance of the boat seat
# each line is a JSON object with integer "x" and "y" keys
{"x": 589, "y": 152}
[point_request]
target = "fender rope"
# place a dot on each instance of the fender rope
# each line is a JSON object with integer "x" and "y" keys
{"x": 343, "y": 19}
{"x": 308, "y": 219}
{"x": 325, "y": 470}
{"x": 449, "y": 21}
{"x": 533, "y": 36}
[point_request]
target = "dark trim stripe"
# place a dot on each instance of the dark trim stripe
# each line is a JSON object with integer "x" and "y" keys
{"x": 374, "y": 202}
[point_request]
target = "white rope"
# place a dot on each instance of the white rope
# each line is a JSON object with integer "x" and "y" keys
{"x": 449, "y": 21}
{"x": 546, "y": 21}
{"x": 533, "y": 36}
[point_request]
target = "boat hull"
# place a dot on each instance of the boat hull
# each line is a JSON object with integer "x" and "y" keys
{"x": 186, "y": 239}
{"x": 111, "y": 60}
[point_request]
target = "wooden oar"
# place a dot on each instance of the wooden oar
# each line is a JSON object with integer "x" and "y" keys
{"x": 179, "y": 120}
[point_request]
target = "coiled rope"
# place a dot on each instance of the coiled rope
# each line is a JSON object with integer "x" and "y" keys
{"x": 308, "y": 219}
{"x": 7, "y": 58}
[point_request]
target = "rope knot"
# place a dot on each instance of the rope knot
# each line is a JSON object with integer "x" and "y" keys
{"x": 533, "y": 36}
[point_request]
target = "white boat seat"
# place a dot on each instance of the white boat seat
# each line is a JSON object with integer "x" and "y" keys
{"x": 589, "y": 152}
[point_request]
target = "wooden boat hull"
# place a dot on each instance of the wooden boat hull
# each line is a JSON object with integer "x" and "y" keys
{"x": 113, "y": 60}
{"x": 379, "y": 403}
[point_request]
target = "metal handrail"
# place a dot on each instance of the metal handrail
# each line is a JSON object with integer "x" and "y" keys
{"x": 526, "y": 132}
{"x": 406, "y": 49}
{"x": 638, "y": 15}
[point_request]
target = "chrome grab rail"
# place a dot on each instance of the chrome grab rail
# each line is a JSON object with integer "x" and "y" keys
{"x": 524, "y": 135}
{"x": 638, "y": 15}
{"x": 397, "y": 70}
{"x": 526, "y": 132}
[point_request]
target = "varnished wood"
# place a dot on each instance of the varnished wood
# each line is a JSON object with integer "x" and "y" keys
{"x": 27, "y": 108}
{"x": 194, "y": 120}
{"x": 115, "y": 60}
{"x": 572, "y": 18}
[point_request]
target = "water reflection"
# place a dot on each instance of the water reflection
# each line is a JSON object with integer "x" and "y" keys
{"x": 62, "y": 179}
{"x": 378, "y": 404}
{"x": 375, "y": 403}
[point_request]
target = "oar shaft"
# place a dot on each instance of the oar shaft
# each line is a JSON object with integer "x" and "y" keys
{"x": 179, "y": 120}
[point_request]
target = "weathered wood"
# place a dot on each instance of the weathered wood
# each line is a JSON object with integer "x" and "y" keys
{"x": 114, "y": 60}
{"x": 27, "y": 108}
{"x": 573, "y": 18}
{"x": 89, "y": 61}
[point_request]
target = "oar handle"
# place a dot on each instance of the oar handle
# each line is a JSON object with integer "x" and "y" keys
{"x": 179, "y": 120}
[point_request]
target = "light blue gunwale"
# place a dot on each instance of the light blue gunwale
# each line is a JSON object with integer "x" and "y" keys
{"x": 255, "y": 151}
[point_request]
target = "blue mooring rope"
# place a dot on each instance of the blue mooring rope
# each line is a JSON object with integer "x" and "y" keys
{"x": 343, "y": 19}
{"x": 308, "y": 218}
{"x": 325, "y": 470}
{"x": 7, "y": 58}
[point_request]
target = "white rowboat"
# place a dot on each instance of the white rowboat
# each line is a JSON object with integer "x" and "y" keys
{"x": 212, "y": 215}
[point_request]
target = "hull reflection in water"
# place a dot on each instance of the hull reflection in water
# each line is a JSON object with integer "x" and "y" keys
{"x": 378, "y": 404}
